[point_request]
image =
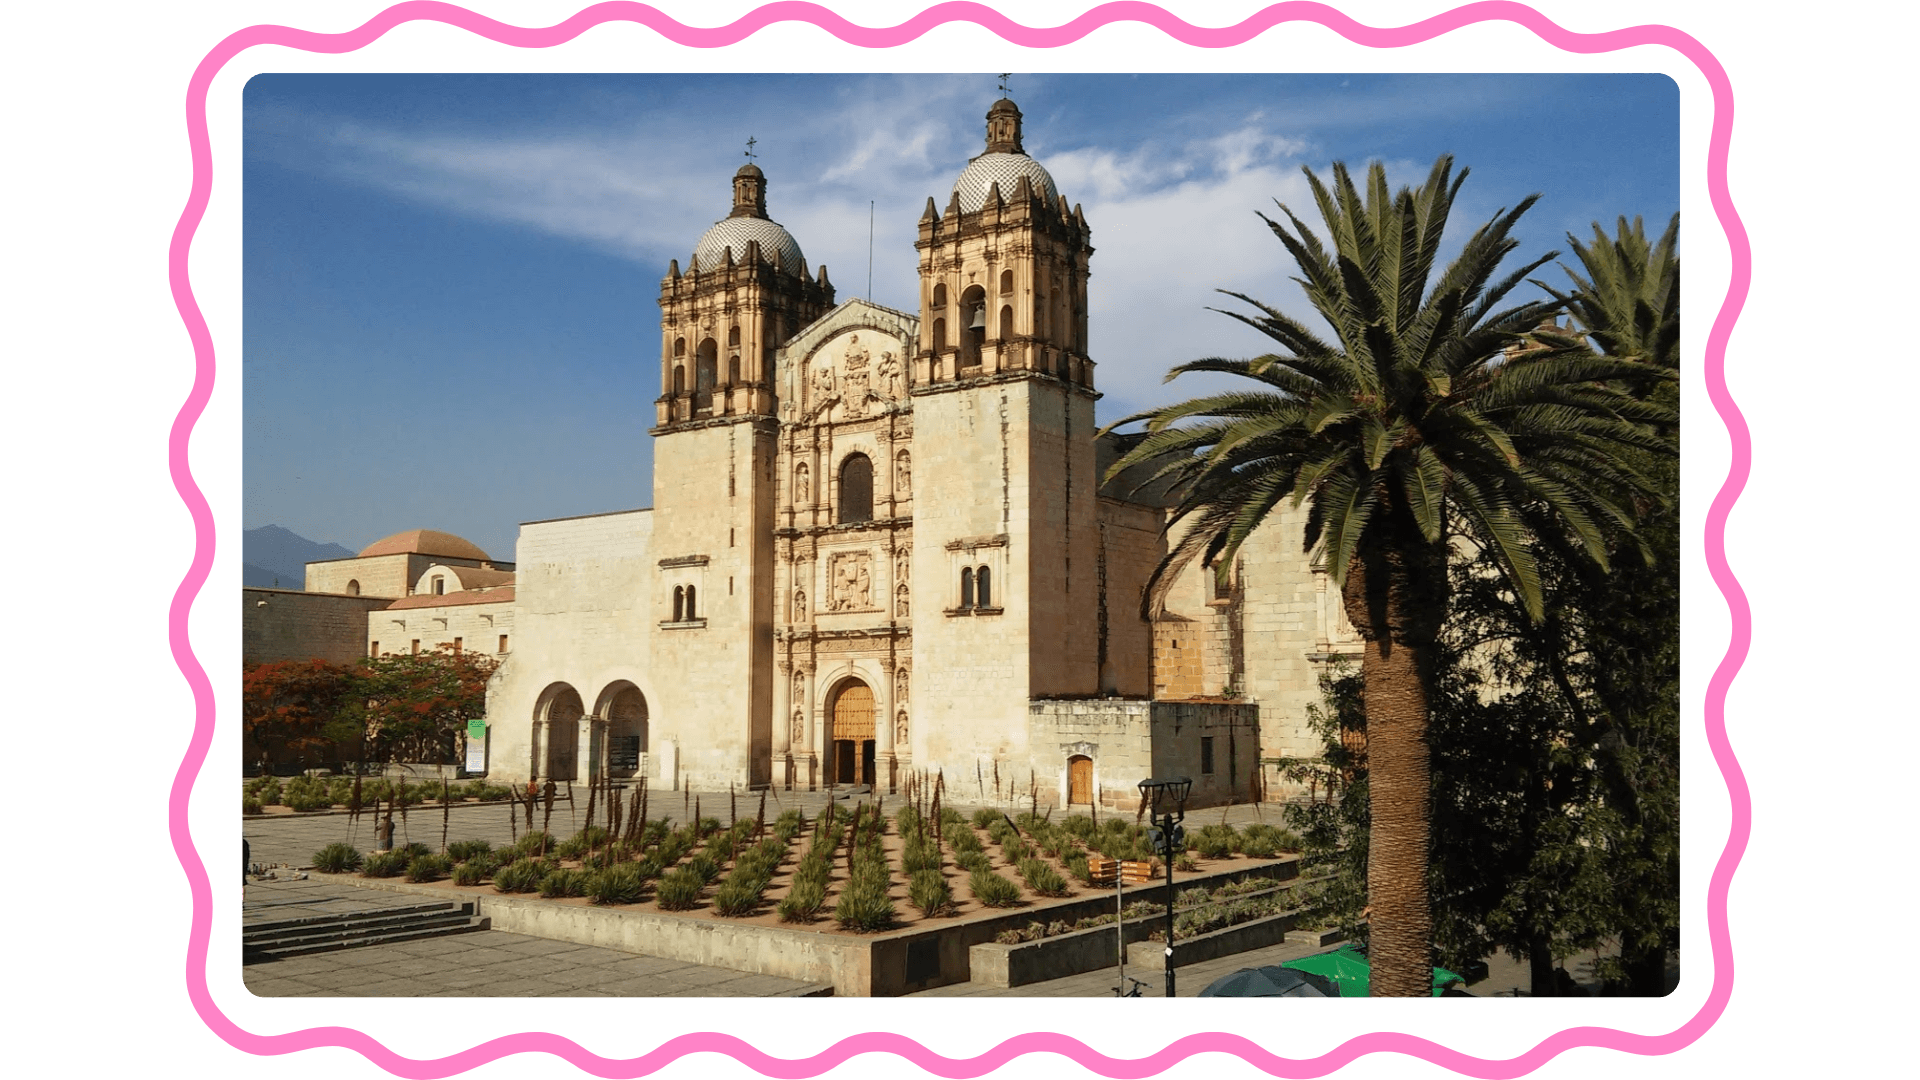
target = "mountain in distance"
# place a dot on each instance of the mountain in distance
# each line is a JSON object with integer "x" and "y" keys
{"x": 271, "y": 554}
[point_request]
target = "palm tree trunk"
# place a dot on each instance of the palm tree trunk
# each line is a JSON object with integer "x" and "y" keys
{"x": 1399, "y": 781}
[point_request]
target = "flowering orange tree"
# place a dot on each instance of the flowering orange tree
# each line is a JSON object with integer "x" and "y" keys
{"x": 297, "y": 711}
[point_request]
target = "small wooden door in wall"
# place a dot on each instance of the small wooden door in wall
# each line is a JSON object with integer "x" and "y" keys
{"x": 1079, "y": 780}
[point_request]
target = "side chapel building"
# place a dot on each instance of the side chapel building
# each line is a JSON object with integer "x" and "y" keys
{"x": 880, "y": 542}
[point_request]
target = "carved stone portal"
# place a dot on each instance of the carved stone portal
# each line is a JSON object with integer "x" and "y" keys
{"x": 851, "y": 575}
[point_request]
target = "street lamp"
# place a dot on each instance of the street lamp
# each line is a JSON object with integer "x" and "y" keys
{"x": 1166, "y": 802}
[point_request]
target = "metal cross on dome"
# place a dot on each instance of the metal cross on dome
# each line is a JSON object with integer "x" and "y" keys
{"x": 749, "y": 151}
{"x": 1004, "y": 76}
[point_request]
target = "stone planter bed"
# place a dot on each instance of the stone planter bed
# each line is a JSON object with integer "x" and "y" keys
{"x": 919, "y": 952}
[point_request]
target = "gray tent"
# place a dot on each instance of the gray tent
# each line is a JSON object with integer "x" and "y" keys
{"x": 1271, "y": 981}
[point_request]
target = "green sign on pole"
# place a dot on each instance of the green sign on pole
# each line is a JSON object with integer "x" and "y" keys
{"x": 476, "y": 746}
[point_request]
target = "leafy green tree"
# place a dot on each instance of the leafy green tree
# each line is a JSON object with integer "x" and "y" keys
{"x": 1412, "y": 423}
{"x": 413, "y": 706}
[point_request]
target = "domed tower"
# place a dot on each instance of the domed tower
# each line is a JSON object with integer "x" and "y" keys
{"x": 1006, "y": 534}
{"x": 1003, "y": 272}
{"x": 745, "y": 291}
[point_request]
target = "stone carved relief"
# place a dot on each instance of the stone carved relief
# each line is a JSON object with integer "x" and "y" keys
{"x": 900, "y": 602}
{"x": 799, "y": 733}
{"x": 802, "y": 487}
{"x": 902, "y": 475}
{"x": 851, "y": 575}
{"x": 900, "y": 685}
{"x": 889, "y": 372}
{"x": 900, "y": 729}
{"x": 858, "y": 382}
{"x": 823, "y": 385}
{"x": 799, "y": 609}
{"x": 799, "y": 688}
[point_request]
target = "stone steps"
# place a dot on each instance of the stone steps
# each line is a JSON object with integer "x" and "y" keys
{"x": 300, "y": 935}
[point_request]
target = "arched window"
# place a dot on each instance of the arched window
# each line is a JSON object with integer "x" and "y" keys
{"x": 353, "y": 587}
{"x": 693, "y": 610}
{"x": 733, "y": 338}
{"x": 679, "y": 604}
{"x": 966, "y": 587}
{"x": 706, "y": 366}
{"x": 679, "y": 348}
{"x": 939, "y": 335}
{"x": 1006, "y": 322}
{"x": 939, "y": 298}
{"x": 856, "y": 489}
{"x": 439, "y": 585}
{"x": 679, "y": 380}
{"x": 973, "y": 325}
{"x": 733, "y": 369}
{"x": 1006, "y": 283}
{"x": 983, "y": 587}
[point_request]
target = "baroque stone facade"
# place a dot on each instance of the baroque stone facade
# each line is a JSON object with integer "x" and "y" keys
{"x": 880, "y": 542}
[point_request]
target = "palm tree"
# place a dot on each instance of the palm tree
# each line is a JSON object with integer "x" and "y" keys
{"x": 1431, "y": 411}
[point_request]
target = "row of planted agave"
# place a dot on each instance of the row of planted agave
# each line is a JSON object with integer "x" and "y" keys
{"x": 680, "y": 866}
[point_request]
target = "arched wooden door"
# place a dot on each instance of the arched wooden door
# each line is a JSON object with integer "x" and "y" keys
{"x": 1079, "y": 780}
{"x": 853, "y": 733}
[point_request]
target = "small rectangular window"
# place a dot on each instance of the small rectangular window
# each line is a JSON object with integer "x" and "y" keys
{"x": 439, "y": 586}
{"x": 503, "y": 643}
{"x": 456, "y": 645}
{"x": 373, "y": 648}
{"x": 416, "y": 646}
{"x": 1206, "y": 755}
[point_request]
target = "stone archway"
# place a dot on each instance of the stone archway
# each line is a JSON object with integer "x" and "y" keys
{"x": 556, "y": 726}
{"x": 851, "y": 712}
{"x": 625, "y": 710}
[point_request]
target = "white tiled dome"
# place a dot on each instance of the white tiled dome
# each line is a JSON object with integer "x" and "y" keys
{"x": 1006, "y": 170}
{"x": 736, "y": 231}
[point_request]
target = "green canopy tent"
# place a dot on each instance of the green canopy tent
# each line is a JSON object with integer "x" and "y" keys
{"x": 1346, "y": 967}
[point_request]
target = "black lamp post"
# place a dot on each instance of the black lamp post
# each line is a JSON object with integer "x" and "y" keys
{"x": 1166, "y": 801}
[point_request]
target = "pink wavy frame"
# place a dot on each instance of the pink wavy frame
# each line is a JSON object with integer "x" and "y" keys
{"x": 886, "y": 37}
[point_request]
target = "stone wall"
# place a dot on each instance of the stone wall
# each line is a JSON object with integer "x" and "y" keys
{"x": 1130, "y": 741}
{"x": 471, "y": 621}
{"x": 287, "y": 624}
{"x": 582, "y": 611}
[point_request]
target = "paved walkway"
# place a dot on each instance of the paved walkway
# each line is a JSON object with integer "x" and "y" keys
{"x": 488, "y": 963}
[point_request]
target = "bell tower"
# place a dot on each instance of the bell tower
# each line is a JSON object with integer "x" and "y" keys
{"x": 1006, "y": 533}
{"x": 745, "y": 291}
{"x": 1003, "y": 270}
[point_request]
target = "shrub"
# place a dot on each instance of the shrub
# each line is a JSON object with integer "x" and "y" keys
{"x": 428, "y": 867}
{"x": 983, "y": 817}
{"x": 386, "y": 864}
{"x": 267, "y": 790}
{"x": 306, "y": 793}
{"x": 1215, "y": 842}
{"x": 466, "y": 850}
{"x": 680, "y": 890}
{"x": 486, "y": 792}
{"x": 863, "y": 906}
{"x": 963, "y": 839}
{"x": 920, "y": 855}
{"x": 1259, "y": 847}
{"x": 561, "y": 883}
{"x": 736, "y": 898}
{"x": 250, "y": 805}
{"x": 593, "y": 836}
{"x": 973, "y": 860}
{"x": 533, "y": 844}
{"x": 472, "y": 872}
{"x": 704, "y": 866}
{"x": 1184, "y": 862}
{"x": 930, "y": 893}
{"x": 804, "y": 902}
{"x": 520, "y": 876}
{"x": 614, "y": 885}
{"x": 1077, "y": 866}
{"x": 1042, "y": 878}
{"x": 993, "y": 890}
{"x": 337, "y": 859}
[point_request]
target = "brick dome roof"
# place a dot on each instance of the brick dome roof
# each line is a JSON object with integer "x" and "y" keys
{"x": 425, "y": 542}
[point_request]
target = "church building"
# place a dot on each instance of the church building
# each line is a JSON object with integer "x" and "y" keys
{"x": 879, "y": 543}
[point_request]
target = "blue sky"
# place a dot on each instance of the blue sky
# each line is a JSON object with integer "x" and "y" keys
{"x": 450, "y": 280}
